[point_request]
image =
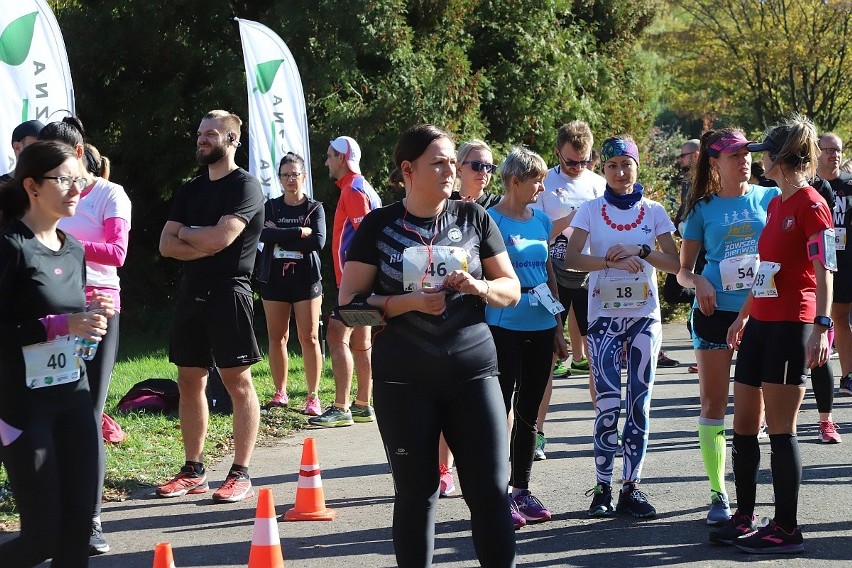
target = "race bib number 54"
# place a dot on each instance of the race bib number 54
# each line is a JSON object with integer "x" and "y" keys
{"x": 51, "y": 363}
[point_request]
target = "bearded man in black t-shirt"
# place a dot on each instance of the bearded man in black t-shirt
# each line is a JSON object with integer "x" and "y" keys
{"x": 214, "y": 227}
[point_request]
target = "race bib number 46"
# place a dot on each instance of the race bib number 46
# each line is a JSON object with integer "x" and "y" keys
{"x": 422, "y": 268}
{"x": 624, "y": 292}
{"x": 51, "y": 363}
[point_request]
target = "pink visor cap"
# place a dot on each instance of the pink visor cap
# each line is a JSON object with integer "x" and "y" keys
{"x": 350, "y": 150}
{"x": 731, "y": 142}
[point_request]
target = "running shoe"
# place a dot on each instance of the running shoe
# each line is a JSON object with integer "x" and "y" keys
{"x": 581, "y": 366}
{"x": 720, "y": 509}
{"x": 530, "y": 508}
{"x": 333, "y": 417}
{"x": 538, "y": 452}
{"x": 735, "y": 527}
{"x": 635, "y": 502}
{"x": 834, "y": 353}
{"x": 664, "y": 360}
{"x": 846, "y": 385}
{"x": 362, "y": 413}
{"x": 602, "y": 501}
{"x": 185, "y": 482}
{"x": 619, "y": 448}
{"x": 517, "y": 519}
{"x": 237, "y": 486}
{"x": 561, "y": 370}
{"x": 828, "y": 432}
{"x": 97, "y": 542}
{"x": 762, "y": 434}
{"x": 771, "y": 539}
{"x": 447, "y": 484}
{"x": 279, "y": 399}
{"x": 693, "y": 368}
{"x": 312, "y": 405}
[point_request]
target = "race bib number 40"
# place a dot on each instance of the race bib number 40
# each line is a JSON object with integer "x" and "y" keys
{"x": 422, "y": 268}
{"x": 624, "y": 292}
{"x": 738, "y": 272}
{"x": 51, "y": 363}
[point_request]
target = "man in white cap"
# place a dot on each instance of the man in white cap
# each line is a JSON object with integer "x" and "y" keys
{"x": 350, "y": 347}
{"x": 22, "y": 136}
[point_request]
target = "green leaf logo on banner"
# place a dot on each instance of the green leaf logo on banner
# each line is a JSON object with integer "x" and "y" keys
{"x": 265, "y": 75}
{"x": 16, "y": 39}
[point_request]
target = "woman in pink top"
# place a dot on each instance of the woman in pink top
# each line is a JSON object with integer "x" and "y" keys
{"x": 102, "y": 225}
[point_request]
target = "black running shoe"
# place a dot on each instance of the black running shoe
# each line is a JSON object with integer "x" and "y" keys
{"x": 771, "y": 539}
{"x": 635, "y": 502}
{"x": 602, "y": 501}
{"x": 737, "y": 526}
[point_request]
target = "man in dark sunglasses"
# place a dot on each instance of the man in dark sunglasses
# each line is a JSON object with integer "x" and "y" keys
{"x": 567, "y": 186}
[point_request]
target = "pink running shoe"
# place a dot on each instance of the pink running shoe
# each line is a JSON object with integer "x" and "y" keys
{"x": 312, "y": 405}
{"x": 280, "y": 399}
{"x": 447, "y": 485}
{"x": 828, "y": 433}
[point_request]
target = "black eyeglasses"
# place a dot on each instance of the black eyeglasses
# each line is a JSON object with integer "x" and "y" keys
{"x": 65, "y": 182}
{"x": 573, "y": 163}
{"x": 290, "y": 176}
{"x": 478, "y": 166}
{"x": 831, "y": 150}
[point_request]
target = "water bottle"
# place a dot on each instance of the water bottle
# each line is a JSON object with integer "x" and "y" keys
{"x": 85, "y": 348}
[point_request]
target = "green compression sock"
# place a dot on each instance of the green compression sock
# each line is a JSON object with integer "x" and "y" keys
{"x": 711, "y": 439}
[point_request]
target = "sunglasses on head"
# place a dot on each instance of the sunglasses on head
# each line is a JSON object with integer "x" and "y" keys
{"x": 478, "y": 166}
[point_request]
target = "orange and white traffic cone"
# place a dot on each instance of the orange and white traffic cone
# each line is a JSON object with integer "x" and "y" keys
{"x": 310, "y": 499}
{"x": 265, "y": 543}
{"x": 163, "y": 555}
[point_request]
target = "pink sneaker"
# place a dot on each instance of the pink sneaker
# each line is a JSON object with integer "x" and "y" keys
{"x": 447, "y": 484}
{"x": 280, "y": 399}
{"x": 828, "y": 432}
{"x": 312, "y": 406}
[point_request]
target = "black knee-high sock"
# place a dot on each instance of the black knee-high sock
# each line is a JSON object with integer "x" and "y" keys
{"x": 822, "y": 383}
{"x": 745, "y": 455}
{"x": 786, "y": 478}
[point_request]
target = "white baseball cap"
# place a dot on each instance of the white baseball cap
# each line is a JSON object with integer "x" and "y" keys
{"x": 350, "y": 149}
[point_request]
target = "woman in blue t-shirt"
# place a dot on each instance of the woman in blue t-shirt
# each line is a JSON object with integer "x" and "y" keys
{"x": 725, "y": 216}
{"x": 526, "y": 335}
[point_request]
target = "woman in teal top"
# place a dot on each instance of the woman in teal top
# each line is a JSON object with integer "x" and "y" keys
{"x": 725, "y": 216}
{"x": 526, "y": 335}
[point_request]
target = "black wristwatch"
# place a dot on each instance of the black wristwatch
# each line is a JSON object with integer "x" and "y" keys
{"x": 824, "y": 321}
{"x": 644, "y": 251}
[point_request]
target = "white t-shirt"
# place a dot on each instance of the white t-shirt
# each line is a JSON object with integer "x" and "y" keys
{"x": 106, "y": 200}
{"x": 563, "y": 194}
{"x": 654, "y": 222}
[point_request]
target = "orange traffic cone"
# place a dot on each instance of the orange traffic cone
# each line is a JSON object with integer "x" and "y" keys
{"x": 265, "y": 543}
{"x": 163, "y": 555}
{"x": 310, "y": 499}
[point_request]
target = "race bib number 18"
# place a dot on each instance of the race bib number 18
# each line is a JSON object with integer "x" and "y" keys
{"x": 624, "y": 292}
{"x": 51, "y": 363}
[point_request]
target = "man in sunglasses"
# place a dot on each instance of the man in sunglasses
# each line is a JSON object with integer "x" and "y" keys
{"x": 568, "y": 185}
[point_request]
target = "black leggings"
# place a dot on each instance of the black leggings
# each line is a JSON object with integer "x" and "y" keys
{"x": 470, "y": 414}
{"x": 52, "y": 467}
{"x": 524, "y": 360}
{"x": 99, "y": 371}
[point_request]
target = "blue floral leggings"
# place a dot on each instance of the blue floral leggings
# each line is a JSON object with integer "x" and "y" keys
{"x": 607, "y": 339}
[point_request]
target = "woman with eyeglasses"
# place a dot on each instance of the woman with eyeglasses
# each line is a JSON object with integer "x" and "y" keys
{"x": 291, "y": 281}
{"x": 724, "y": 217}
{"x": 430, "y": 265}
{"x": 102, "y": 225}
{"x": 623, "y": 229}
{"x": 780, "y": 332}
{"x": 48, "y": 434}
{"x": 474, "y": 168}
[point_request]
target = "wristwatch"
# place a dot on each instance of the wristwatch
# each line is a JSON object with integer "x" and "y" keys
{"x": 644, "y": 250}
{"x": 824, "y": 321}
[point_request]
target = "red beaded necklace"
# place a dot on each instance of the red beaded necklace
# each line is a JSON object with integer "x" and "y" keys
{"x": 627, "y": 227}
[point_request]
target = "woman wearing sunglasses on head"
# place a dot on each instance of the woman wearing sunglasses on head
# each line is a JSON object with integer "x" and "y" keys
{"x": 48, "y": 433}
{"x": 430, "y": 265}
{"x": 780, "y": 333}
{"x": 474, "y": 168}
{"x": 290, "y": 277}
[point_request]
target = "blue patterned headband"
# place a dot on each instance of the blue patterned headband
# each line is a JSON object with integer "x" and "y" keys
{"x": 613, "y": 147}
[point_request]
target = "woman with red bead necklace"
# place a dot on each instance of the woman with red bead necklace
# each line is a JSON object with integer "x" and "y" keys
{"x": 623, "y": 229}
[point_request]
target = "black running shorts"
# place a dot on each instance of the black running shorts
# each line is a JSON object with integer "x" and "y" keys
{"x": 773, "y": 352}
